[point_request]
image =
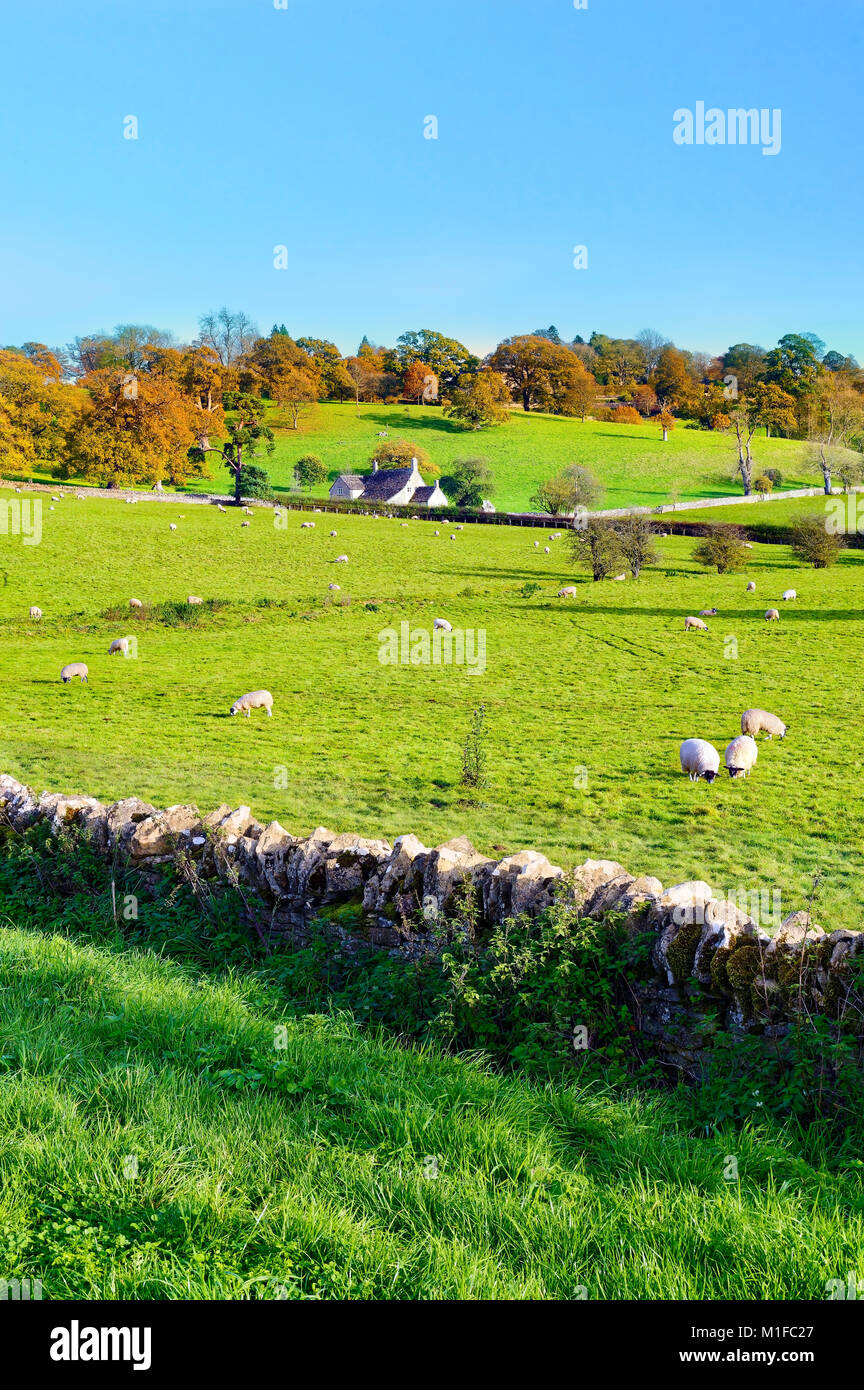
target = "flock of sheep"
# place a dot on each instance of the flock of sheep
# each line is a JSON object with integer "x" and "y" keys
{"x": 699, "y": 758}
{"x": 772, "y": 615}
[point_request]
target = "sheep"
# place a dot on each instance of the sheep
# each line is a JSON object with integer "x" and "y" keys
{"x": 545, "y": 550}
{"x": 772, "y": 615}
{"x": 135, "y": 603}
{"x": 332, "y": 533}
{"x": 707, "y": 612}
{"x": 617, "y": 578}
{"x": 443, "y": 624}
{"x": 341, "y": 560}
{"x": 536, "y": 545}
{"x": 437, "y": 533}
{"x": 243, "y": 523}
{"x": 460, "y": 528}
{"x": 256, "y": 699}
{"x": 54, "y": 499}
{"x": 452, "y": 537}
{"x": 50, "y": 509}
{"x": 306, "y": 525}
{"x": 171, "y": 526}
{"x": 75, "y": 668}
{"x": 740, "y": 755}
{"x": 193, "y": 598}
{"x": 699, "y": 759}
{"x": 247, "y": 511}
{"x": 335, "y": 586}
{"x": 695, "y": 623}
{"x": 570, "y": 592}
{"x": 34, "y": 611}
{"x": 789, "y": 593}
{"x": 219, "y": 505}
{"x": 755, "y": 720}
{"x": 120, "y": 645}
{"x": 751, "y": 587}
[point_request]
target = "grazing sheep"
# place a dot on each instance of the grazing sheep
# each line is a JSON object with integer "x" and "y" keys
{"x": 772, "y": 615}
{"x": 570, "y": 592}
{"x": 306, "y": 525}
{"x": 545, "y": 550}
{"x": 740, "y": 755}
{"x": 256, "y": 699}
{"x": 617, "y": 578}
{"x": 452, "y": 537}
{"x": 748, "y": 545}
{"x": 135, "y": 603}
{"x": 75, "y": 668}
{"x": 460, "y": 528}
{"x": 332, "y": 533}
{"x": 751, "y": 587}
{"x": 341, "y": 560}
{"x": 443, "y": 624}
{"x": 193, "y": 598}
{"x": 437, "y": 533}
{"x": 50, "y": 509}
{"x": 121, "y": 645}
{"x": 35, "y": 612}
{"x": 699, "y": 759}
{"x": 335, "y": 586}
{"x": 789, "y": 593}
{"x": 695, "y": 623}
{"x": 54, "y": 499}
{"x": 754, "y": 721}
{"x": 171, "y": 526}
{"x": 219, "y": 505}
{"x": 247, "y": 511}
{"x": 243, "y": 523}
{"x": 536, "y": 545}
{"x": 707, "y": 612}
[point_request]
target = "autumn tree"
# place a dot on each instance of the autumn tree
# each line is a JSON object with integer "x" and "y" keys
{"x": 666, "y": 421}
{"x": 329, "y": 368}
{"x": 838, "y": 423}
{"x": 36, "y": 411}
{"x": 248, "y": 436}
{"x": 772, "y": 407}
{"x": 481, "y": 399}
{"x": 541, "y": 374}
{"x": 415, "y": 377}
{"x": 133, "y": 429}
{"x": 446, "y": 357}
{"x": 672, "y": 380}
{"x": 398, "y": 453}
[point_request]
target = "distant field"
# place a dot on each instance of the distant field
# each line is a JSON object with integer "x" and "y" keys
{"x": 631, "y": 461}
{"x": 607, "y": 682}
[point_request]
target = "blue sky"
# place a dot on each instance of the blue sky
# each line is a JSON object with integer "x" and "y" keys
{"x": 303, "y": 127}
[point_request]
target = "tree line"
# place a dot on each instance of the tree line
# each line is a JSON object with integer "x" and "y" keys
{"x": 135, "y": 406}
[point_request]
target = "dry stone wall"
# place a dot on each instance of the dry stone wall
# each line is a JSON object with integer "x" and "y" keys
{"x": 712, "y": 964}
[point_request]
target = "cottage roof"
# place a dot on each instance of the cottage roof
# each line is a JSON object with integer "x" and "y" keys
{"x": 385, "y": 483}
{"x": 352, "y": 479}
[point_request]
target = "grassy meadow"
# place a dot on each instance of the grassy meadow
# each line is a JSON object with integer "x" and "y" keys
{"x": 631, "y": 461}
{"x": 587, "y": 699}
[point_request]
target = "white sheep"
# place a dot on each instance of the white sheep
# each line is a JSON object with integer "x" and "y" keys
{"x": 171, "y": 526}
{"x": 437, "y": 533}
{"x": 443, "y": 624}
{"x": 772, "y": 615}
{"x": 306, "y": 525}
{"x": 617, "y": 578}
{"x": 699, "y": 759}
{"x": 219, "y": 505}
{"x": 570, "y": 592}
{"x": 243, "y": 523}
{"x": 452, "y": 537}
{"x": 335, "y": 586}
{"x": 460, "y": 528}
{"x": 536, "y": 545}
{"x": 696, "y": 623}
{"x": 545, "y": 550}
{"x": 751, "y": 587}
{"x": 135, "y": 603}
{"x": 256, "y": 699}
{"x": 193, "y": 598}
{"x": 789, "y": 593}
{"x": 75, "y": 668}
{"x": 754, "y": 721}
{"x": 707, "y": 612}
{"x": 119, "y": 645}
{"x": 341, "y": 560}
{"x": 740, "y": 755}
{"x": 35, "y": 612}
{"x": 247, "y": 511}
{"x": 332, "y": 533}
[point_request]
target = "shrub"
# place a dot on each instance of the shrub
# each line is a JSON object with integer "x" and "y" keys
{"x": 474, "y": 761}
{"x": 598, "y": 546}
{"x": 255, "y": 482}
{"x": 763, "y": 483}
{"x": 625, "y": 415}
{"x": 815, "y": 545}
{"x": 723, "y": 549}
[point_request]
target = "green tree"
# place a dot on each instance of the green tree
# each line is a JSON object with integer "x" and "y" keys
{"x": 247, "y": 435}
{"x": 637, "y": 542}
{"x": 468, "y": 482}
{"x": 448, "y": 358}
{"x": 596, "y": 545}
{"x": 724, "y": 549}
{"x": 814, "y": 544}
{"x": 481, "y": 399}
{"x": 309, "y": 471}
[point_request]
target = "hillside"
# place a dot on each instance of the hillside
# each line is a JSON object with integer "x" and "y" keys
{"x": 632, "y": 461}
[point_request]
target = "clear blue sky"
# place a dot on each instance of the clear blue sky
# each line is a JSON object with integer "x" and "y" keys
{"x": 303, "y": 126}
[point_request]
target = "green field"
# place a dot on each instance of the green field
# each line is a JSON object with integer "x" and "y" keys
{"x": 607, "y": 682}
{"x": 631, "y": 461}
{"x": 156, "y": 1146}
